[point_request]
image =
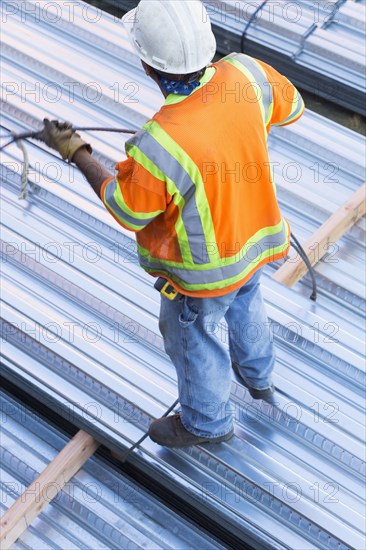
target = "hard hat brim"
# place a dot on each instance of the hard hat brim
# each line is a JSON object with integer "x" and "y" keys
{"x": 129, "y": 19}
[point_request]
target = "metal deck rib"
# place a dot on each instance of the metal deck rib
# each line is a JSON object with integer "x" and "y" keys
{"x": 99, "y": 508}
{"x": 80, "y": 317}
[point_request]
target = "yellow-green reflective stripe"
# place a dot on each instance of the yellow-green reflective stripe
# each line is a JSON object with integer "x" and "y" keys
{"x": 193, "y": 171}
{"x": 180, "y": 168}
{"x": 172, "y": 99}
{"x": 298, "y": 108}
{"x": 224, "y": 263}
{"x": 267, "y": 242}
{"x": 172, "y": 189}
{"x": 223, "y": 282}
{"x": 114, "y": 200}
{"x": 126, "y": 210}
{"x": 268, "y": 88}
{"x": 147, "y": 259}
{"x": 262, "y": 80}
{"x": 250, "y": 69}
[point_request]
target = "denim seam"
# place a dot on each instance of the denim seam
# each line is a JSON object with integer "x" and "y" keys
{"x": 186, "y": 369}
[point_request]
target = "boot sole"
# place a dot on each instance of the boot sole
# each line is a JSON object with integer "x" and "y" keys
{"x": 196, "y": 441}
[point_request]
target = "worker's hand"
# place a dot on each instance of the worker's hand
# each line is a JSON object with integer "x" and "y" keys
{"x": 61, "y": 137}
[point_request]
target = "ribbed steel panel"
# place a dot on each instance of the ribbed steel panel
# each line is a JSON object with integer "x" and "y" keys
{"x": 80, "y": 316}
{"x": 98, "y": 508}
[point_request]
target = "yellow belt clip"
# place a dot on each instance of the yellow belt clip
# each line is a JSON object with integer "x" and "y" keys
{"x": 166, "y": 289}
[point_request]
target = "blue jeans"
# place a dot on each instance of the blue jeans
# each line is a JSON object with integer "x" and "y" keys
{"x": 190, "y": 328}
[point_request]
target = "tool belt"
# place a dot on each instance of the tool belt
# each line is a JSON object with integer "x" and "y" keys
{"x": 167, "y": 290}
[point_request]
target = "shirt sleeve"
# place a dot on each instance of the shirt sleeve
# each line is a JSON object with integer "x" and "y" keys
{"x": 134, "y": 197}
{"x": 288, "y": 105}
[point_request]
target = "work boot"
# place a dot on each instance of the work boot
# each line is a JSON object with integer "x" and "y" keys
{"x": 170, "y": 432}
{"x": 266, "y": 395}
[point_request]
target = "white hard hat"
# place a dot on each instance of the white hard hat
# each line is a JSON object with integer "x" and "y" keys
{"x": 172, "y": 36}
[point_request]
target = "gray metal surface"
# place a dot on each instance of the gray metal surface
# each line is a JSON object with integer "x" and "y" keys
{"x": 80, "y": 317}
{"x": 98, "y": 508}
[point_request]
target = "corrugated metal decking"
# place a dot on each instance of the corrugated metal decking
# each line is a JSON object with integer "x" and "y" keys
{"x": 79, "y": 315}
{"x": 98, "y": 509}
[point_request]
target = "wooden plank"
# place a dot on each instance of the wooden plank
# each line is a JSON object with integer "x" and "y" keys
{"x": 45, "y": 487}
{"x": 328, "y": 233}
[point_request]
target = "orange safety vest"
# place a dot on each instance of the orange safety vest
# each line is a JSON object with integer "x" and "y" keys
{"x": 197, "y": 186}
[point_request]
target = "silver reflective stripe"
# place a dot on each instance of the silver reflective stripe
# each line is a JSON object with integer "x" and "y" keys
{"x": 300, "y": 106}
{"x": 186, "y": 187}
{"x": 113, "y": 205}
{"x": 260, "y": 79}
{"x": 250, "y": 258}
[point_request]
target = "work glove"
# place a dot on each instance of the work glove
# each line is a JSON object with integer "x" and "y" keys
{"x": 60, "y": 136}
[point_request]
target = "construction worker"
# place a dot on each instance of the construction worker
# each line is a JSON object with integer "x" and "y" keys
{"x": 198, "y": 190}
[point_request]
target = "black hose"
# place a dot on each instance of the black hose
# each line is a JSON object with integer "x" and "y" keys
{"x": 34, "y": 135}
{"x": 125, "y": 455}
{"x": 250, "y": 21}
{"x": 299, "y": 249}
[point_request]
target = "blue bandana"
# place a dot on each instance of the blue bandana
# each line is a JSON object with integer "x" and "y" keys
{"x": 176, "y": 87}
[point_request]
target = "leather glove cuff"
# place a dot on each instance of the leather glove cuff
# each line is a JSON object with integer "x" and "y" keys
{"x": 61, "y": 137}
{"x": 68, "y": 150}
